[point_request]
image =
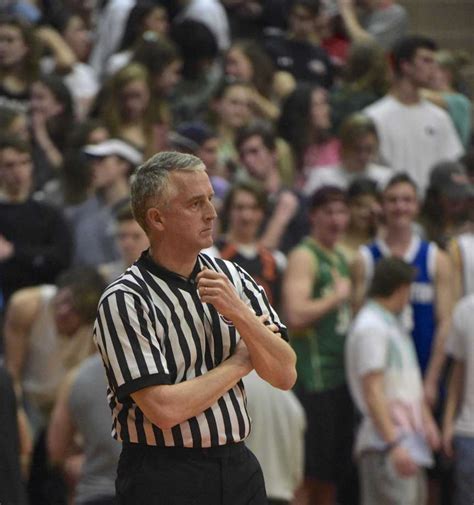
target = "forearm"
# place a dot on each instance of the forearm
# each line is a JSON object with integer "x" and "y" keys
{"x": 454, "y": 395}
{"x": 272, "y": 357}
{"x": 274, "y": 231}
{"x": 353, "y": 27}
{"x": 438, "y": 356}
{"x": 303, "y": 313}
{"x": 379, "y": 412}
{"x": 169, "y": 405}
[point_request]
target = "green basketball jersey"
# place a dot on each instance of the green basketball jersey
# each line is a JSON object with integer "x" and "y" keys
{"x": 320, "y": 348}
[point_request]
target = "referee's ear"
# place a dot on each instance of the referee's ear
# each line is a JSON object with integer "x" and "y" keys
{"x": 154, "y": 219}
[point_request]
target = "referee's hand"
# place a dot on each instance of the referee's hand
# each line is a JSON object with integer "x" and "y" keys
{"x": 216, "y": 289}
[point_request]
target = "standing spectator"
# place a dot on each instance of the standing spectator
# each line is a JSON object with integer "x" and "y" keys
{"x": 242, "y": 216}
{"x": 446, "y": 92}
{"x": 397, "y": 431}
{"x": 305, "y": 123}
{"x": 93, "y": 222}
{"x": 458, "y": 424}
{"x": 81, "y": 411}
{"x": 35, "y": 241}
{"x": 359, "y": 146}
{"x": 286, "y": 222}
{"x": 414, "y": 134}
{"x": 277, "y": 437}
{"x": 382, "y": 21}
{"x": 316, "y": 295}
{"x": 427, "y": 315}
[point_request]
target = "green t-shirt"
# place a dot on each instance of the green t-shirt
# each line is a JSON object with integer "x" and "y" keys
{"x": 320, "y": 348}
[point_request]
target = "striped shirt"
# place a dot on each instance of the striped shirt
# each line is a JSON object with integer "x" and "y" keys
{"x": 152, "y": 329}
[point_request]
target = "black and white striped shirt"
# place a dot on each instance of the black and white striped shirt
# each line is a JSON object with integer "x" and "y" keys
{"x": 151, "y": 329}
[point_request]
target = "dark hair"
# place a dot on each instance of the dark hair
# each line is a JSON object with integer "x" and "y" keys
{"x": 135, "y": 22}
{"x": 327, "y": 194}
{"x": 155, "y": 54}
{"x": 197, "y": 45}
{"x": 401, "y": 178}
{"x": 314, "y": 6}
{"x": 362, "y": 186}
{"x": 225, "y": 84}
{"x": 13, "y": 142}
{"x": 389, "y": 275}
{"x": 59, "y": 126}
{"x": 256, "y": 128}
{"x": 406, "y": 48}
{"x": 354, "y": 127}
{"x": 249, "y": 186}
{"x": 86, "y": 286}
{"x": 262, "y": 65}
{"x": 124, "y": 213}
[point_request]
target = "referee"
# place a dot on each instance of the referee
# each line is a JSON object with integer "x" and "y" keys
{"x": 177, "y": 332}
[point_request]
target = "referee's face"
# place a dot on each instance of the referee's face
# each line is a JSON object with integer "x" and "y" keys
{"x": 189, "y": 217}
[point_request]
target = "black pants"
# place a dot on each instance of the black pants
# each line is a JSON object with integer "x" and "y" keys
{"x": 228, "y": 475}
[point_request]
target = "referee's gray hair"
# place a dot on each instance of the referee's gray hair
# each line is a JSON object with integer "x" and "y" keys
{"x": 150, "y": 182}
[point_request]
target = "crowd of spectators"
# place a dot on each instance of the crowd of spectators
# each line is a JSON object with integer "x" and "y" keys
{"x": 334, "y": 138}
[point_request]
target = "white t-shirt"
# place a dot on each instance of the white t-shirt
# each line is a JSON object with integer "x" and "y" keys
{"x": 377, "y": 342}
{"x": 460, "y": 345}
{"x": 277, "y": 436}
{"x": 337, "y": 175}
{"x": 413, "y": 138}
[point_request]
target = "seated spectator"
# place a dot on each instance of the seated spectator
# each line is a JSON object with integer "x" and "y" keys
{"x": 365, "y": 79}
{"x": 247, "y": 61}
{"x": 359, "y": 147}
{"x": 201, "y": 73}
{"x": 145, "y": 16}
{"x": 446, "y": 92}
{"x": 305, "y": 123}
{"x": 51, "y": 118}
{"x": 243, "y": 213}
{"x": 298, "y": 51}
{"x": 93, "y": 222}
{"x": 131, "y": 242}
{"x": 397, "y": 433}
{"x": 458, "y": 423}
{"x": 19, "y": 63}
{"x": 382, "y": 21}
{"x": 286, "y": 222}
{"x": 69, "y": 48}
{"x": 35, "y": 241}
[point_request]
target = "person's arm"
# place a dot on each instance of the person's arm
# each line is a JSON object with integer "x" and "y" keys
{"x": 64, "y": 57}
{"x": 285, "y": 209}
{"x": 273, "y": 358}
{"x": 457, "y": 267}
{"x": 169, "y": 405}
{"x": 374, "y": 395}
{"x": 455, "y": 390}
{"x": 444, "y": 307}
{"x": 301, "y": 308}
{"x": 358, "y": 283}
{"x": 348, "y": 14}
{"x": 21, "y": 311}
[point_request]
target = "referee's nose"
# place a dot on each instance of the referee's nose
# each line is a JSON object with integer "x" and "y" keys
{"x": 210, "y": 212}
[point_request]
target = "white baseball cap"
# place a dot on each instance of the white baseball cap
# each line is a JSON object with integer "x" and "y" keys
{"x": 115, "y": 147}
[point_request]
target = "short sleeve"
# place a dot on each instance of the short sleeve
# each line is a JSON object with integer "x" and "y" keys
{"x": 126, "y": 334}
{"x": 370, "y": 348}
{"x": 456, "y": 342}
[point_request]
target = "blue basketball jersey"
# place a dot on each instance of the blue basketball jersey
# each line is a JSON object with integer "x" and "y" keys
{"x": 422, "y": 296}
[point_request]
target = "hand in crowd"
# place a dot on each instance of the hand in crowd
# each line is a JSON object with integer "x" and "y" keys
{"x": 402, "y": 462}
{"x": 287, "y": 206}
{"x": 7, "y": 249}
{"x": 342, "y": 286}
